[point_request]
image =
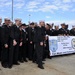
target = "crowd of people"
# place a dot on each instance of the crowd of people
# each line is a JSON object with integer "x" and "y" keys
{"x": 20, "y": 42}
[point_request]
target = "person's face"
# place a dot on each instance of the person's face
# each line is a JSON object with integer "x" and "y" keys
{"x": 66, "y": 26}
{"x": 47, "y": 27}
{"x": 56, "y": 27}
{"x": 42, "y": 23}
{"x": 63, "y": 26}
{"x": 73, "y": 28}
{"x": 0, "y": 20}
{"x": 32, "y": 26}
{"x": 18, "y": 23}
{"x": 7, "y": 22}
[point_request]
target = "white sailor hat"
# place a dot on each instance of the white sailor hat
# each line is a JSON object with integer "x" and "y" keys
{"x": 17, "y": 19}
{"x": 56, "y": 25}
{"x": 73, "y": 26}
{"x": 7, "y": 19}
{"x": 0, "y": 18}
{"x": 63, "y": 24}
{"x": 41, "y": 21}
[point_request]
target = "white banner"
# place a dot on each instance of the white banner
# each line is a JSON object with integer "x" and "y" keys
{"x": 59, "y": 45}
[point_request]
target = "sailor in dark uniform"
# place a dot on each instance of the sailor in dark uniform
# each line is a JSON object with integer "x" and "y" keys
{"x": 5, "y": 42}
{"x": 14, "y": 43}
{"x": 51, "y": 30}
{"x": 0, "y": 37}
{"x": 48, "y": 33}
{"x": 22, "y": 50}
{"x": 72, "y": 31}
{"x": 67, "y": 30}
{"x": 39, "y": 38}
{"x": 56, "y": 31}
{"x": 30, "y": 40}
{"x": 27, "y": 42}
{"x": 63, "y": 31}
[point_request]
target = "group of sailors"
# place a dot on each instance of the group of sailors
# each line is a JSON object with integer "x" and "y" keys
{"x": 20, "y": 42}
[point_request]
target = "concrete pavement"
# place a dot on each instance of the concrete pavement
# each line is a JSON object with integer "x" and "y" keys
{"x": 62, "y": 65}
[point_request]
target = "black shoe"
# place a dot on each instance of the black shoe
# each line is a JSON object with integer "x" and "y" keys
{"x": 41, "y": 67}
{"x": 34, "y": 61}
{"x": 10, "y": 67}
{"x": 17, "y": 63}
{"x": 5, "y": 66}
{"x": 43, "y": 63}
{"x": 21, "y": 61}
{"x": 50, "y": 57}
{"x": 30, "y": 59}
{"x": 25, "y": 60}
{"x": 43, "y": 60}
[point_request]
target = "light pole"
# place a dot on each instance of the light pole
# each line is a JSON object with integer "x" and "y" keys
{"x": 29, "y": 18}
{"x": 12, "y": 12}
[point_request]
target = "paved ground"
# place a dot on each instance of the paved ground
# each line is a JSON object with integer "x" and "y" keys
{"x": 63, "y": 65}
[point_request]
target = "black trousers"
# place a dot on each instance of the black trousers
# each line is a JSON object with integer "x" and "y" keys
{"x": 27, "y": 49}
{"x": 44, "y": 53}
{"x": 39, "y": 53}
{"x": 34, "y": 56}
{"x": 13, "y": 53}
{"x": 31, "y": 51}
{"x": 22, "y": 52}
{"x": 0, "y": 50}
{"x": 4, "y": 55}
